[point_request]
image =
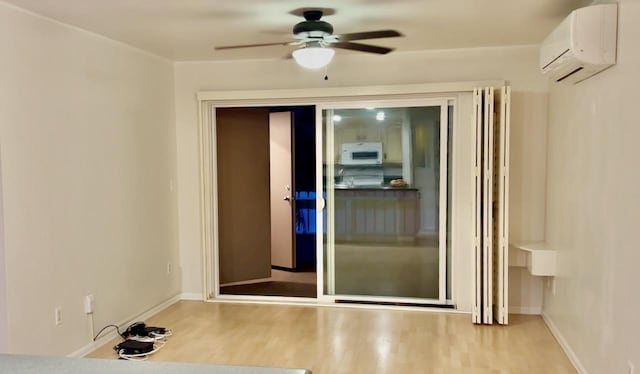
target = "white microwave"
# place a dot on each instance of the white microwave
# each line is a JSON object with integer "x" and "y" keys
{"x": 361, "y": 154}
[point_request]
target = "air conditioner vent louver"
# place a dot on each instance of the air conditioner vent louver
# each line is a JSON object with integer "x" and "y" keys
{"x": 570, "y": 74}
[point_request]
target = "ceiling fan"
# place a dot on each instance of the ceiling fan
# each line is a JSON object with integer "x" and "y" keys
{"x": 316, "y": 41}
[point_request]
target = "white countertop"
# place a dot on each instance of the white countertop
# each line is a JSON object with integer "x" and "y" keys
{"x": 10, "y": 364}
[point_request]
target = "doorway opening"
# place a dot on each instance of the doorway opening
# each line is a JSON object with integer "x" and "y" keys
{"x": 457, "y": 166}
{"x": 265, "y": 159}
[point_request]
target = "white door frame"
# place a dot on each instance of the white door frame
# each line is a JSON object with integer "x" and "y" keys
{"x": 210, "y": 100}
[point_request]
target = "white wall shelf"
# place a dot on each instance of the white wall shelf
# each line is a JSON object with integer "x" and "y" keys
{"x": 537, "y": 257}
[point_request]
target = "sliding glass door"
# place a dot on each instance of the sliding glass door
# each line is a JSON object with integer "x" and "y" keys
{"x": 385, "y": 182}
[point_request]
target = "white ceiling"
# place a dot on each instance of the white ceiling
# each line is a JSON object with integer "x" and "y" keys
{"x": 185, "y": 30}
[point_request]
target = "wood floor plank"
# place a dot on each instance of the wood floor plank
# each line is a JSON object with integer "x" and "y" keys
{"x": 350, "y": 340}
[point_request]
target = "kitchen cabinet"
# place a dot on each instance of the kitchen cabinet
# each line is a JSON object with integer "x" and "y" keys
{"x": 390, "y": 136}
{"x": 376, "y": 214}
{"x": 362, "y": 133}
{"x": 392, "y": 145}
{"x": 347, "y": 135}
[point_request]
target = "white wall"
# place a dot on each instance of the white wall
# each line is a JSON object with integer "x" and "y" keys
{"x": 516, "y": 64}
{"x": 87, "y": 144}
{"x": 593, "y": 208}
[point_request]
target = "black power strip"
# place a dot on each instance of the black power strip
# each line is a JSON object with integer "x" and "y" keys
{"x": 141, "y": 329}
{"x": 152, "y": 330}
{"x": 133, "y": 347}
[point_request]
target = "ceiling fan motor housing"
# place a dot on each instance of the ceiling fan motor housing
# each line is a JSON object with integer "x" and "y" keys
{"x": 312, "y": 29}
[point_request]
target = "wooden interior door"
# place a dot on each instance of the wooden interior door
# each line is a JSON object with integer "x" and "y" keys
{"x": 244, "y": 220}
{"x": 282, "y": 191}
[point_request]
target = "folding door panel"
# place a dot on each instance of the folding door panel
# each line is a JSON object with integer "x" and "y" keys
{"x": 487, "y": 208}
{"x": 501, "y": 174}
{"x": 491, "y": 119}
{"x": 477, "y": 276}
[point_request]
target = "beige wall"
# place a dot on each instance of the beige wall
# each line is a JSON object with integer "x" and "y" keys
{"x": 4, "y": 308}
{"x": 527, "y": 189}
{"x": 516, "y": 64}
{"x": 87, "y": 143}
{"x": 593, "y": 208}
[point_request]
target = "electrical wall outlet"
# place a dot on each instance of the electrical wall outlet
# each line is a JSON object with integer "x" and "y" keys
{"x": 88, "y": 304}
{"x": 58, "y": 315}
{"x": 631, "y": 367}
{"x": 169, "y": 268}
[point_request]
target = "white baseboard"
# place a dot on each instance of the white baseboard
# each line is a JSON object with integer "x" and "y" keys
{"x": 122, "y": 325}
{"x": 564, "y": 344}
{"x": 536, "y": 310}
{"x": 250, "y": 281}
{"x": 191, "y": 296}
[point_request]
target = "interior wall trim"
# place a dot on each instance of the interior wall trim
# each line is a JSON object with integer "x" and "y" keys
{"x": 250, "y": 281}
{"x": 333, "y": 93}
{"x": 564, "y": 344}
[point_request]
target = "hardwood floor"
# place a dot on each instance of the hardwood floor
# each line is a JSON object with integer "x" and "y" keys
{"x": 350, "y": 340}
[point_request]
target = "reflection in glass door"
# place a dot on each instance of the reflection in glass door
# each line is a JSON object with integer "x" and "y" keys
{"x": 385, "y": 180}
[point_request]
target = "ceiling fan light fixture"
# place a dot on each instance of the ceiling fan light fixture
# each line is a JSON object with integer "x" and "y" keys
{"x": 315, "y": 57}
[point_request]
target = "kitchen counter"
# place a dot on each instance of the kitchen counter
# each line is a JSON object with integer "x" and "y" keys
{"x": 376, "y": 213}
{"x": 374, "y": 188}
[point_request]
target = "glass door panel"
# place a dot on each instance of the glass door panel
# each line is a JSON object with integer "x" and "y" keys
{"x": 386, "y": 213}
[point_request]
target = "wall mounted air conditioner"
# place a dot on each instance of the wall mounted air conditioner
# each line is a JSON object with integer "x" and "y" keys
{"x": 582, "y": 45}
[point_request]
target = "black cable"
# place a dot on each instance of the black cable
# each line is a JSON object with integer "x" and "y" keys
{"x": 104, "y": 328}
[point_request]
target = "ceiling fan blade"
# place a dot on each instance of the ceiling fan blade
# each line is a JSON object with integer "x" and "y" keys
{"x": 251, "y": 45}
{"x": 368, "y": 35}
{"x": 362, "y": 47}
